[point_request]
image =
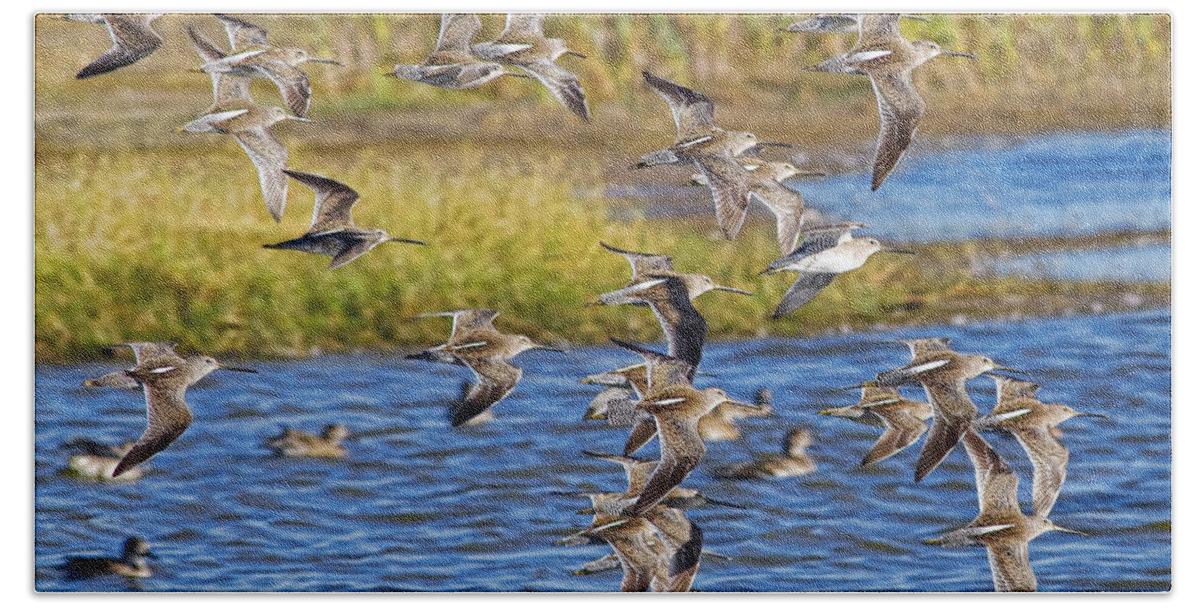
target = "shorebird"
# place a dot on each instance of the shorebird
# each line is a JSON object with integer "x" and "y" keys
{"x": 132, "y": 40}
{"x": 903, "y": 420}
{"x": 333, "y": 232}
{"x": 825, "y": 252}
{"x": 1032, "y": 422}
{"x": 230, "y": 92}
{"x": 96, "y": 461}
{"x": 711, "y": 149}
{"x": 164, "y": 381}
{"x": 793, "y": 462}
{"x": 522, "y": 44}
{"x": 943, "y": 373}
{"x": 720, "y": 425}
{"x": 141, "y": 351}
{"x": 297, "y": 443}
{"x": 451, "y": 65}
{"x": 1000, "y": 526}
{"x": 132, "y": 562}
{"x": 647, "y": 267}
{"x": 477, "y": 344}
{"x": 766, "y": 187}
{"x": 884, "y": 56}
{"x": 255, "y": 58}
{"x": 677, "y": 410}
{"x": 661, "y": 371}
{"x": 250, "y": 128}
{"x": 644, "y": 559}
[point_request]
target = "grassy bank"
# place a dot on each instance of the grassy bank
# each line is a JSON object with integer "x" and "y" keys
{"x": 140, "y": 246}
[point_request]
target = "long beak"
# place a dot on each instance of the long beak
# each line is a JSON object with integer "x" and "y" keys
{"x": 323, "y": 60}
{"x": 299, "y": 119}
{"x": 1092, "y": 415}
{"x": 856, "y": 386}
{"x": 1011, "y": 370}
{"x": 749, "y": 406}
{"x": 777, "y": 144}
{"x": 553, "y": 348}
{"x": 734, "y": 290}
{"x": 770, "y": 271}
{"x": 411, "y": 241}
{"x": 244, "y": 370}
{"x": 724, "y": 504}
{"x": 1068, "y": 530}
{"x": 576, "y": 54}
{"x": 958, "y": 54}
{"x": 904, "y": 251}
{"x": 888, "y": 401}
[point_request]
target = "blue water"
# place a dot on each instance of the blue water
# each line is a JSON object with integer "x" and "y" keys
{"x": 1068, "y": 184}
{"x": 1149, "y": 262}
{"x": 420, "y": 506}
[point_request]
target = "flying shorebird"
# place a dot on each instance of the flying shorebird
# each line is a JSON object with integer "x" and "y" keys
{"x": 644, "y": 559}
{"x": 824, "y": 253}
{"x": 250, "y": 128}
{"x": 793, "y": 462}
{"x": 255, "y": 58}
{"x": 298, "y": 444}
{"x": 164, "y": 381}
{"x": 230, "y": 91}
{"x": 522, "y": 44}
{"x": 477, "y": 344}
{"x": 141, "y": 351}
{"x": 713, "y": 150}
{"x": 766, "y": 188}
{"x": 884, "y": 56}
{"x": 677, "y": 410}
{"x": 943, "y": 373}
{"x": 647, "y": 267}
{"x": 131, "y": 564}
{"x": 1032, "y": 422}
{"x": 903, "y": 420}
{"x": 333, "y": 232}
{"x": 132, "y": 40}
{"x": 451, "y": 65}
{"x": 661, "y": 371}
{"x": 668, "y": 296}
{"x": 1000, "y": 526}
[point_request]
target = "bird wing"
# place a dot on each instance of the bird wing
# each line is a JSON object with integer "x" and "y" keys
{"x": 228, "y": 90}
{"x": 729, "y": 183}
{"x": 331, "y": 208}
{"x": 1012, "y": 389}
{"x": 662, "y": 370}
{"x": 292, "y": 83}
{"x": 1049, "y": 458}
{"x": 494, "y": 380}
{"x": 270, "y": 159}
{"x": 562, "y": 83}
{"x": 681, "y": 449}
{"x": 643, "y": 264}
{"x": 902, "y": 429}
{"x": 820, "y": 238}
{"x": 788, "y": 208}
{"x": 877, "y": 29}
{"x": 806, "y": 287}
{"x": 242, "y": 34}
{"x": 167, "y": 417}
{"x": 922, "y": 347}
{"x": 952, "y": 415}
{"x": 144, "y": 351}
{"x": 522, "y": 27}
{"x": 457, "y": 32}
{"x": 995, "y": 482}
{"x": 1011, "y": 570}
{"x": 643, "y": 431}
{"x": 682, "y": 324}
{"x": 692, "y": 111}
{"x": 900, "y": 108}
{"x": 353, "y": 245}
{"x": 132, "y": 40}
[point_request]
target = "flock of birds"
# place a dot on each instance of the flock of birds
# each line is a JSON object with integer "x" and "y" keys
{"x": 654, "y": 543}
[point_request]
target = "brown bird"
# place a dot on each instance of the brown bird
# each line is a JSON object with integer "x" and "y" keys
{"x": 255, "y": 58}
{"x": 1000, "y": 526}
{"x": 477, "y": 344}
{"x": 650, "y": 266}
{"x": 250, "y": 128}
{"x": 713, "y": 150}
{"x": 164, "y": 381}
{"x": 668, "y": 296}
{"x": 903, "y": 420}
{"x": 1019, "y": 412}
{"x": 230, "y": 91}
{"x": 298, "y": 444}
{"x": 131, "y": 564}
{"x": 132, "y": 40}
{"x": 677, "y": 410}
{"x": 793, "y": 462}
{"x": 884, "y": 56}
{"x": 644, "y": 559}
{"x": 661, "y": 371}
{"x": 522, "y": 44}
{"x": 333, "y": 232}
{"x": 451, "y": 65}
{"x": 944, "y": 374}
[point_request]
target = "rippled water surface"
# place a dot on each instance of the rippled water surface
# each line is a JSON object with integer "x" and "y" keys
{"x": 420, "y": 506}
{"x": 1149, "y": 262}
